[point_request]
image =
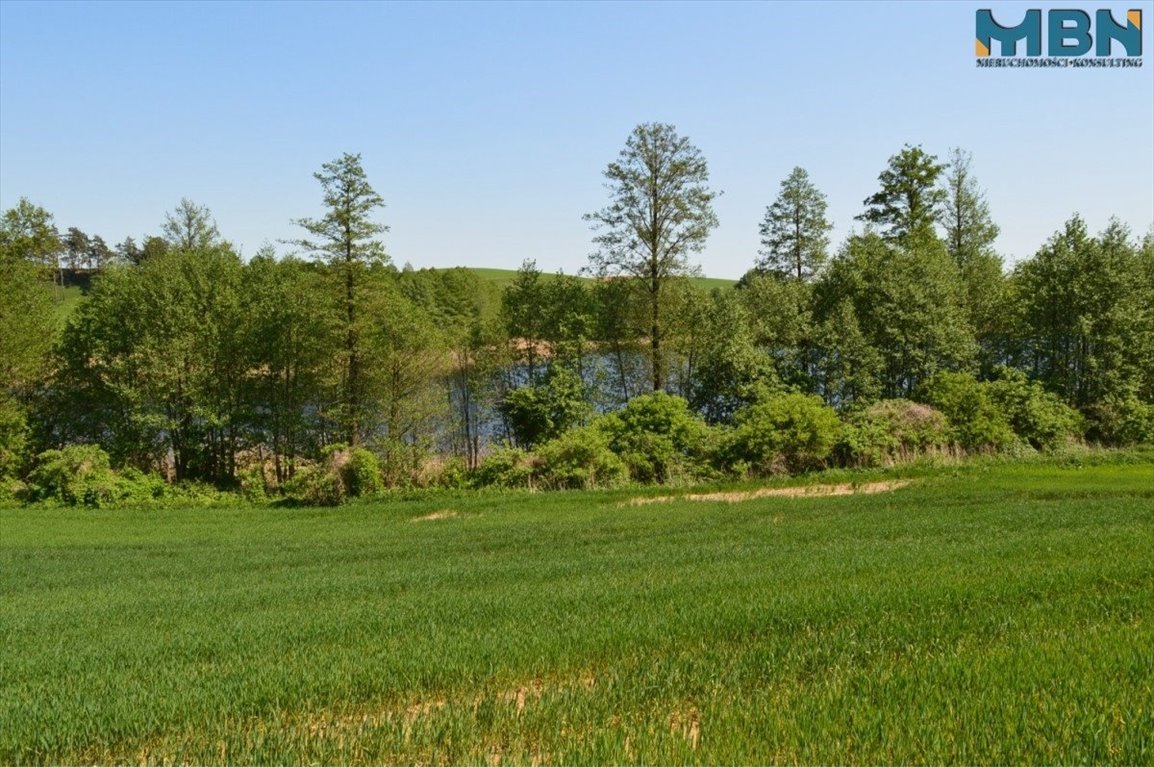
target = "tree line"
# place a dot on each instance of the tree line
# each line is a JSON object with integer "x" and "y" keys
{"x": 184, "y": 359}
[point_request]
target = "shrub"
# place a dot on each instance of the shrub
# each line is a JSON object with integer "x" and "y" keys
{"x": 890, "y": 431}
{"x": 791, "y": 432}
{"x": 1037, "y": 416}
{"x": 343, "y": 473}
{"x": 539, "y": 414}
{"x": 78, "y": 474}
{"x": 316, "y": 486}
{"x": 976, "y": 422}
{"x": 1122, "y": 420}
{"x": 361, "y": 473}
{"x": 658, "y": 438}
{"x": 13, "y": 437}
{"x": 504, "y": 468}
{"x": 580, "y": 459}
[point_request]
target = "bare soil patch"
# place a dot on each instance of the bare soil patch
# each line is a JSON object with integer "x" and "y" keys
{"x": 440, "y": 514}
{"x": 800, "y": 491}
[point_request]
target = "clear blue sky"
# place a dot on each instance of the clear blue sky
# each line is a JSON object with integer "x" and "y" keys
{"x": 486, "y": 126}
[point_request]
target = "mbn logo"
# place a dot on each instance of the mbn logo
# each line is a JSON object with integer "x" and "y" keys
{"x": 1067, "y": 33}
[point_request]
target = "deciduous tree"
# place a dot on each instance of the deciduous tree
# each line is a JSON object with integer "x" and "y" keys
{"x": 660, "y": 212}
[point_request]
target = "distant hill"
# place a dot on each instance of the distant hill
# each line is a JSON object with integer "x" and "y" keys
{"x": 502, "y": 277}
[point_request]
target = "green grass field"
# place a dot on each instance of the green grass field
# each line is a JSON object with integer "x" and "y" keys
{"x": 985, "y": 614}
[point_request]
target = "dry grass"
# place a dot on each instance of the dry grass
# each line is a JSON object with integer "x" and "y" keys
{"x": 440, "y": 514}
{"x": 803, "y": 491}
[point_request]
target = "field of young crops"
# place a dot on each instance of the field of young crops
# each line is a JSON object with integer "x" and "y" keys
{"x": 984, "y": 614}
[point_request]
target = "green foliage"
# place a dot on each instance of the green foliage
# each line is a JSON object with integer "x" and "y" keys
{"x": 346, "y": 238}
{"x": 1086, "y": 315}
{"x": 906, "y": 298}
{"x": 976, "y": 421}
{"x": 580, "y": 459}
{"x": 1122, "y": 419}
{"x": 78, "y": 474}
{"x": 1037, "y": 416}
{"x": 725, "y": 367}
{"x": 316, "y": 485}
{"x": 660, "y": 212}
{"x": 343, "y": 473}
{"x": 658, "y": 437}
{"x": 13, "y": 437}
{"x": 908, "y": 201}
{"x": 504, "y": 468}
{"x": 788, "y": 432}
{"x": 361, "y": 472}
{"x": 795, "y": 231}
{"x": 892, "y": 431}
{"x": 537, "y": 414}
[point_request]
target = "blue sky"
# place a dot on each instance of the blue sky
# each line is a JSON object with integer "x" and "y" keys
{"x": 486, "y": 126}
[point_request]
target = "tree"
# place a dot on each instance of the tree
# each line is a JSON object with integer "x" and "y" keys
{"x": 346, "y": 239}
{"x": 661, "y": 211}
{"x": 27, "y": 327}
{"x": 524, "y": 311}
{"x": 155, "y": 363}
{"x": 154, "y": 247}
{"x": 1086, "y": 315}
{"x": 909, "y": 198}
{"x": 795, "y": 231}
{"x": 289, "y": 345}
{"x": 970, "y": 234}
{"x": 906, "y": 301}
{"x": 76, "y": 245}
{"x": 190, "y": 227}
{"x": 27, "y": 232}
{"x": 99, "y": 255}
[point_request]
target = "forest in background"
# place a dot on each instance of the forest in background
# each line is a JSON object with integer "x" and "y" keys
{"x": 331, "y": 373}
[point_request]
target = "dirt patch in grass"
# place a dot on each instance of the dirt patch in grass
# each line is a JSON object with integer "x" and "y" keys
{"x": 440, "y": 514}
{"x": 800, "y": 491}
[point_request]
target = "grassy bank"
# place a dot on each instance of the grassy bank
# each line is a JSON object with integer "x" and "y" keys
{"x": 980, "y": 614}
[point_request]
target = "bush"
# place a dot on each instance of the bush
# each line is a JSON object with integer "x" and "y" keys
{"x": 361, "y": 473}
{"x": 539, "y": 414}
{"x": 658, "y": 438}
{"x": 1037, "y": 416}
{"x": 343, "y": 473}
{"x": 316, "y": 486}
{"x": 793, "y": 432}
{"x": 976, "y": 422}
{"x": 78, "y": 474}
{"x": 580, "y": 459}
{"x": 890, "y": 431}
{"x": 13, "y": 437}
{"x": 504, "y": 468}
{"x": 1122, "y": 420}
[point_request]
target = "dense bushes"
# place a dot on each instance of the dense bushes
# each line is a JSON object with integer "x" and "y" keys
{"x": 1036, "y": 416}
{"x": 892, "y": 431}
{"x": 655, "y": 438}
{"x": 658, "y": 438}
{"x": 784, "y": 433}
{"x": 343, "y": 473}
{"x": 976, "y": 422}
{"x": 580, "y": 459}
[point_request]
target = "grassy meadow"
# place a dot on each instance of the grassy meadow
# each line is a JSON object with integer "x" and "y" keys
{"x": 990, "y": 613}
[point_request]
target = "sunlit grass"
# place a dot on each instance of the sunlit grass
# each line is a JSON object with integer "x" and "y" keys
{"x": 983, "y": 614}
